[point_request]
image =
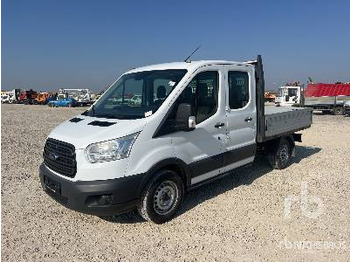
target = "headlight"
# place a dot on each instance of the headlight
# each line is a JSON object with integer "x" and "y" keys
{"x": 110, "y": 150}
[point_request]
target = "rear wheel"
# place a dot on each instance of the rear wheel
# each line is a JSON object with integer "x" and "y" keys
{"x": 339, "y": 110}
{"x": 281, "y": 156}
{"x": 162, "y": 197}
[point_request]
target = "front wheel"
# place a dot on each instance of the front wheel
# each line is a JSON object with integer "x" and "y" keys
{"x": 162, "y": 197}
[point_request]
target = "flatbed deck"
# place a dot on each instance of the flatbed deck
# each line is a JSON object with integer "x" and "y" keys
{"x": 284, "y": 120}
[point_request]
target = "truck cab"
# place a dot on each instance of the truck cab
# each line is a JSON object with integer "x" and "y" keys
{"x": 195, "y": 122}
{"x": 6, "y": 97}
{"x": 288, "y": 96}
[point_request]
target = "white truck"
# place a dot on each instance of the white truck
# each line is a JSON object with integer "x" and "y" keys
{"x": 10, "y": 97}
{"x": 6, "y": 98}
{"x": 288, "y": 96}
{"x": 196, "y": 122}
{"x": 81, "y": 96}
{"x": 328, "y": 98}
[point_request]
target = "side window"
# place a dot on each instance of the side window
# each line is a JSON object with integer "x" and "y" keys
{"x": 162, "y": 88}
{"x": 238, "y": 83}
{"x": 165, "y": 84}
{"x": 202, "y": 93}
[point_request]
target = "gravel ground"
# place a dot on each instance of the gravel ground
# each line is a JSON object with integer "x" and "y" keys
{"x": 242, "y": 217}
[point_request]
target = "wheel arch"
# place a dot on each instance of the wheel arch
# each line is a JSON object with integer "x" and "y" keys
{"x": 273, "y": 144}
{"x": 173, "y": 164}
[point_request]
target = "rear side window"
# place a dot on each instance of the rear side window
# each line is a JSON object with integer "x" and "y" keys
{"x": 238, "y": 89}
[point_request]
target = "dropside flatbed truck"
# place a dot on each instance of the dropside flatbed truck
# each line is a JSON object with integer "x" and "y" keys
{"x": 196, "y": 121}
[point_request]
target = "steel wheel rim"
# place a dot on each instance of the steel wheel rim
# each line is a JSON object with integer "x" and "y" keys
{"x": 165, "y": 197}
{"x": 284, "y": 154}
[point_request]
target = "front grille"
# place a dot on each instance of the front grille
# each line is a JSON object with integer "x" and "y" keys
{"x": 60, "y": 157}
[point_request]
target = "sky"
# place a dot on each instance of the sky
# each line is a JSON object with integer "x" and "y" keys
{"x": 51, "y": 44}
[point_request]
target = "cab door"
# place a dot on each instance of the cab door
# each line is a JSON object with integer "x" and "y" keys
{"x": 240, "y": 116}
{"x": 203, "y": 148}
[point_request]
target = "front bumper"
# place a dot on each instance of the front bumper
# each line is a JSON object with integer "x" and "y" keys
{"x": 100, "y": 197}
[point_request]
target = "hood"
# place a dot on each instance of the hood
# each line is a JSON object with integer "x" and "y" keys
{"x": 82, "y": 131}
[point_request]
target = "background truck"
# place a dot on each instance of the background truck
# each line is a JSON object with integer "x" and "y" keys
{"x": 10, "y": 97}
{"x": 288, "y": 95}
{"x": 196, "y": 121}
{"x": 28, "y": 97}
{"x": 42, "y": 98}
{"x": 82, "y": 97}
{"x": 328, "y": 98}
{"x": 270, "y": 96}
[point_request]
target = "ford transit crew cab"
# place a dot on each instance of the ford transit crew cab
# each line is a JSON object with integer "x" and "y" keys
{"x": 193, "y": 122}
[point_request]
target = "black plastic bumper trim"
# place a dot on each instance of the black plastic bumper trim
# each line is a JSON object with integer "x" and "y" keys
{"x": 73, "y": 195}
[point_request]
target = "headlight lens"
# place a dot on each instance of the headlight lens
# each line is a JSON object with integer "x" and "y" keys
{"x": 110, "y": 150}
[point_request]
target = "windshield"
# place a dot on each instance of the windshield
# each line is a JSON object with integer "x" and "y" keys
{"x": 292, "y": 91}
{"x": 136, "y": 95}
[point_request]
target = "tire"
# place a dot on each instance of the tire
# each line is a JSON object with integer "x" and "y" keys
{"x": 280, "y": 157}
{"x": 339, "y": 111}
{"x": 162, "y": 197}
{"x": 50, "y": 105}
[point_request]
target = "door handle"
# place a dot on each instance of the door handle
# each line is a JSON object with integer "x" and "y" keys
{"x": 219, "y": 125}
{"x": 248, "y": 119}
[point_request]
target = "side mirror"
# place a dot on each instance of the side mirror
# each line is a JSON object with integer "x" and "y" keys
{"x": 184, "y": 120}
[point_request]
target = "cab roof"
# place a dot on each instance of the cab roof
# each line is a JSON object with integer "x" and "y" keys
{"x": 192, "y": 65}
